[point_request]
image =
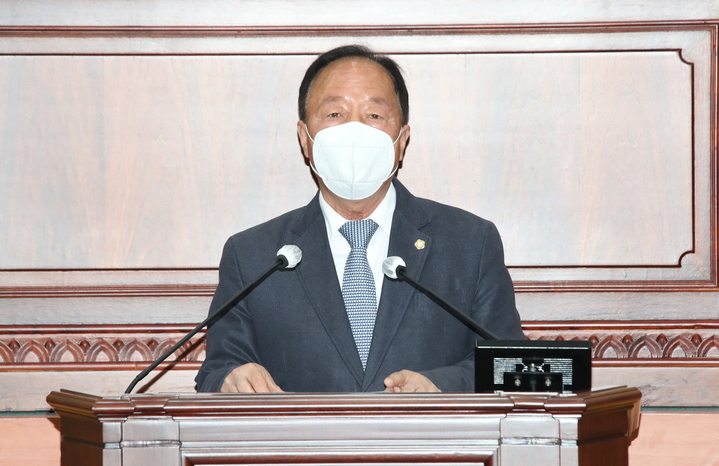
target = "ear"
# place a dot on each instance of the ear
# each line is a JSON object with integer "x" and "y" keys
{"x": 304, "y": 138}
{"x": 403, "y": 141}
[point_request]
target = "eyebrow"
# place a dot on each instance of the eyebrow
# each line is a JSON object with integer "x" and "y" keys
{"x": 335, "y": 98}
{"x": 380, "y": 101}
{"x": 331, "y": 99}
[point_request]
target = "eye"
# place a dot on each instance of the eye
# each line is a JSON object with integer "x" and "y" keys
{"x": 374, "y": 116}
{"x": 334, "y": 115}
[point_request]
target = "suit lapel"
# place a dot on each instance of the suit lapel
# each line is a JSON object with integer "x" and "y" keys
{"x": 396, "y": 296}
{"x": 317, "y": 275}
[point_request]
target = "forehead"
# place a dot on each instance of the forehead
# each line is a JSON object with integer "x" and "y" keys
{"x": 352, "y": 75}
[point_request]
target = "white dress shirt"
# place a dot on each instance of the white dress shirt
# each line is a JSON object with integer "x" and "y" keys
{"x": 378, "y": 245}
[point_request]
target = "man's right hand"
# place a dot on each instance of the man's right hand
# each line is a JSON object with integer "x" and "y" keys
{"x": 249, "y": 378}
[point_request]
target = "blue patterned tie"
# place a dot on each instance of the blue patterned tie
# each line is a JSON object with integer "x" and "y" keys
{"x": 358, "y": 288}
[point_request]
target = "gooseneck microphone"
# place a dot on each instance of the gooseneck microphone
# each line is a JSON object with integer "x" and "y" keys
{"x": 395, "y": 268}
{"x": 287, "y": 258}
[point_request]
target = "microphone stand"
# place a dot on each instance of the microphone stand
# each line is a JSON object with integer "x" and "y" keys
{"x": 279, "y": 264}
{"x": 401, "y": 272}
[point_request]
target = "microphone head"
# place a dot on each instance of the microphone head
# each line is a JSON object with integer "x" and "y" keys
{"x": 292, "y": 256}
{"x": 390, "y": 266}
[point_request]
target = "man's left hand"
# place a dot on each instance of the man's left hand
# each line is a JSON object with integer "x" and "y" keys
{"x": 409, "y": 382}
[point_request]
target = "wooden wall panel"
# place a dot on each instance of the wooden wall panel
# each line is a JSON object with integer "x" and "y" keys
{"x": 135, "y": 137}
{"x": 150, "y": 162}
{"x": 672, "y": 438}
{"x": 571, "y": 154}
{"x": 132, "y": 134}
{"x": 145, "y": 161}
{"x": 31, "y": 441}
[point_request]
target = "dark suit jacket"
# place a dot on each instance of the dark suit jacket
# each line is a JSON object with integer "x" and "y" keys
{"x": 296, "y": 326}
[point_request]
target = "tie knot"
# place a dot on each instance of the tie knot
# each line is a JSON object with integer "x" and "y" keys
{"x": 359, "y": 232}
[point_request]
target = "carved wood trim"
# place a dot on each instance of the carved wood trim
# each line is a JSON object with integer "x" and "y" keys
{"x": 132, "y": 347}
{"x": 355, "y": 30}
{"x": 638, "y": 343}
{"x": 96, "y": 347}
{"x": 106, "y": 291}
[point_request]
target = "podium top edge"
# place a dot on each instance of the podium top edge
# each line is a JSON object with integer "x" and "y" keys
{"x": 214, "y": 404}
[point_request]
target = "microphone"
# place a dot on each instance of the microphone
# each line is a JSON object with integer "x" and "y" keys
{"x": 395, "y": 268}
{"x": 288, "y": 257}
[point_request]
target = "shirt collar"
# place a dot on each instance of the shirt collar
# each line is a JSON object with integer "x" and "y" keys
{"x": 382, "y": 214}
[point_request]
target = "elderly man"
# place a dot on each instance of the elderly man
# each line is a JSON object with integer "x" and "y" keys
{"x": 335, "y": 323}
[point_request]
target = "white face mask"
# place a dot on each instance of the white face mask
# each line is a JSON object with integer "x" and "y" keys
{"x": 353, "y": 159}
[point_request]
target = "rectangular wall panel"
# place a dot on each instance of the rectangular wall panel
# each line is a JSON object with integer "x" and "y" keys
{"x": 118, "y": 158}
{"x": 143, "y": 162}
{"x": 571, "y": 154}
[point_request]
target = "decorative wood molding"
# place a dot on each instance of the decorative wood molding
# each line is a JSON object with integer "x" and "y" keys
{"x": 660, "y": 343}
{"x": 112, "y": 347}
{"x": 107, "y": 291}
{"x": 131, "y": 347}
{"x": 338, "y": 30}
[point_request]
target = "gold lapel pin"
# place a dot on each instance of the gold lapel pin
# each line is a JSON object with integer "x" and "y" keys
{"x": 419, "y": 244}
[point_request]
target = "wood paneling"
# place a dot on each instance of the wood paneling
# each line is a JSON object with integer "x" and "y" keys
{"x": 135, "y": 137}
{"x": 30, "y": 441}
{"x": 142, "y": 162}
{"x": 672, "y": 438}
{"x": 151, "y": 162}
{"x": 557, "y": 149}
{"x": 150, "y": 159}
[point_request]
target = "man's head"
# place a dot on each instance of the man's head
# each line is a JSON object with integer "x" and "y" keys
{"x": 347, "y": 85}
{"x": 354, "y": 51}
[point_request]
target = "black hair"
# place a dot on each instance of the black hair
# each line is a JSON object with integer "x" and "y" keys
{"x": 349, "y": 51}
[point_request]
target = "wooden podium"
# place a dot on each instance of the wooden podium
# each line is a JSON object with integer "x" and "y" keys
{"x": 587, "y": 428}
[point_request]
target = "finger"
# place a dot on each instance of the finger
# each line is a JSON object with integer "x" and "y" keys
{"x": 258, "y": 381}
{"x": 409, "y": 386}
{"x": 395, "y": 379}
{"x": 424, "y": 385}
{"x": 262, "y": 381}
{"x": 413, "y": 382}
{"x": 244, "y": 386}
{"x": 229, "y": 385}
{"x": 228, "y": 388}
{"x": 393, "y": 389}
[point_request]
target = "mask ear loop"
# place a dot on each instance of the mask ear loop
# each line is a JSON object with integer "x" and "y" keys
{"x": 311, "y": 162}
{"x": 398, "y": 136}
{"x": 397, "y": 167}
{"x": 308, "y": 132}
